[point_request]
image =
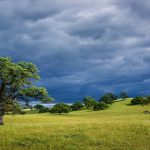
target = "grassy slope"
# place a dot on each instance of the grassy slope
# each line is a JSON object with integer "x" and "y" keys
{"x": 121, "y": 127}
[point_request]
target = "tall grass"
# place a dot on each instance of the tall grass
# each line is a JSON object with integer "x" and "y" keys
{"x": 121, "y": 127}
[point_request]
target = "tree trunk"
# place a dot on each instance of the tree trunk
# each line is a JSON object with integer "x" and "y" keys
{"x": 1, "y": 120}
{"x": 2, "y": 110}
{"x": 27, "y": 103}
{"x": 2, "y": 102}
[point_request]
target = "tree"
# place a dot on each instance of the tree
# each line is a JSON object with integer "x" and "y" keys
{"x": 43, "y": 110}
{"x": 38, "y": 106}
{"x": 60, "y": 108}
{"x": 140, "y": 100}
{"x": 100, "y": 106}
{"x": 77, "y": 106}
{"x": 108, "y": 98}
{"x": 89, "y": 102}
{"x": 124, "y": 95}
{"x": 137, "y": 100}
{"x": 16, "y": 82}
{"x": 33, "y": 92}
{"x": 146, "y": 100}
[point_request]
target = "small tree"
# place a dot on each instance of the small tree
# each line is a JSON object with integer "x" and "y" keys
{"x": 89, "y": 102}
{"x": 60, "y": 108}
{"x": 100, "y": 106}
{"x": 108, "y": 98}
{"x": 124, "y": 95}
{"x": 16, "y": 82}
{"x": 77, "y": 106}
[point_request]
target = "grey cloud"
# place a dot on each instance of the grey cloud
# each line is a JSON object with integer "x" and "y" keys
{"x": 81, "y": 48}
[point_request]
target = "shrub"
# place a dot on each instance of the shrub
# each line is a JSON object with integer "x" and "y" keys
{"x": 22, "y": 112}
{"x": 145, "y": 100}
{"x": 100, "y": 106}
{"x": 43, "y": 110}
{"x": 137, "y": 100}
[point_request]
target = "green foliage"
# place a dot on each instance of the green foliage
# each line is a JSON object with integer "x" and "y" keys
{"x": 43, "y": 110}
{"x": 137, "y": 100}
{"x": 22, "y": 112}
{"x": 77, "y": 106}
{"x": 16, "y": 82}
{"x": 60, "y": 108}
{"x": 146, "y": 100}
{"x": 100, "y": 106}
{"x": 140, "y": 100}
{"x": 124, "y": 95}
{"x": 34, "y": 92}
{"x": 89, "y": 102}
{"x": 108, "y": 98}
{"x": 12, "y": 107}
{"x": 38, "y": 106}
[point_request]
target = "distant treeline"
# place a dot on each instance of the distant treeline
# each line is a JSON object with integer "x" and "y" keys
{"x": 87, "y": 102}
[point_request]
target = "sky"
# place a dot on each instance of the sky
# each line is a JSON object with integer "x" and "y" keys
{"x": 81, "y": 47}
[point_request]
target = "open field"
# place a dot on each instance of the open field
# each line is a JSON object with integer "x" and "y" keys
{"x": 121, "y": 127}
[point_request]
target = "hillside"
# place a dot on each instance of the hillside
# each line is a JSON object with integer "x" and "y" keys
{"x": 121, "y": 127}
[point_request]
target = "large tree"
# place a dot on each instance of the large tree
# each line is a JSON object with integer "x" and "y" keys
{"x": 16, "y": 82}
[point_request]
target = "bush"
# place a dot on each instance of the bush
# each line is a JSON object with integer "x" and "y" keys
{"x": 22, "y": 112}
{"x": 108, "y": 98}
{"x": 100, "y": 106}
{"x": 137, "y": 100}
{"x": 145, "y": 100}
{"x": 76, "y": 106}
{"x": 43, "y": 110}
{"x": 38, "y": 106}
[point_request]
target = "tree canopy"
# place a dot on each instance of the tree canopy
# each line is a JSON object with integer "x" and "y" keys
{"x": 60, "y": 108}
{"x": 17, "y": 82}
{"x": 89, "y": 102}
{"x": 77, "y": 106}
{"x": 108, "y": 98}
{"x": 100, "y": 106}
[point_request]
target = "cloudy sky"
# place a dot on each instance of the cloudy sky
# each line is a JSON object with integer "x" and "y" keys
{"x": 81, "y": 47}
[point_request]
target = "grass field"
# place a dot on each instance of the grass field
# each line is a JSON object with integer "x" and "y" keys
{"x": 121, "y": 127}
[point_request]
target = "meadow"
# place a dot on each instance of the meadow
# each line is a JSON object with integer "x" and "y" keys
{"x": 120, "y": 127}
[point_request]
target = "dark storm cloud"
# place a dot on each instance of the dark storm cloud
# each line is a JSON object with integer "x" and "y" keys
{"x": 81, "y": 48}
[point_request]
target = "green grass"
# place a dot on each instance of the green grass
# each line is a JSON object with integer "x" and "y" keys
{"x": 121, "y": 127}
